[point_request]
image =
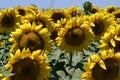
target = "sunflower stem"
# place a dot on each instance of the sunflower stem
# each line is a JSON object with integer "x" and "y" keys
{"x": 4, "y": 40}
{"x": 4, "y": 44}
{"x": 70, "y": 61}
{"x": 1, "y": 62}
{"x": 70, "y": 77}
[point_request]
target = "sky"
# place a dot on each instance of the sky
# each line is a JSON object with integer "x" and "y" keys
{"x": 45, "y": 4}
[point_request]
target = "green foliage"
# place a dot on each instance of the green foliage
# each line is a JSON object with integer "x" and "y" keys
{"x": 87, "y": 8}
{"x": 4, "y": 71}
{"x": 66, "y": 65}
{"x": 4, "y": 54}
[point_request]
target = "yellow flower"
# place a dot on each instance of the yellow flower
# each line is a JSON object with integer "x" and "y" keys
{"x": 28, "y": 66}
{"x": 8, "y": 20}
{"x": 111, "y": 9}
{"x": 101, "y": 23}
{"x": 58, "y": 14}
{"x": 116, "y": 15}
{"x": 111, "y": 39}
{"x": 30, "y": 36}
{"x": 111, "y": 61}
{"x": 87, "y": 75}
{"x": 106, "y": 66}
{"x": 21, "y": 10}
{"x": 105, "y": 41}
{"x": 32, "y": 9}
{"x": 38, "y": 19}
{"x": 93, "y": 60}
{"x": 75, "y": 36}
{"x": 56, "y": 27}
{"x": 96, "y": 9}
{"x": 74, "y": 10}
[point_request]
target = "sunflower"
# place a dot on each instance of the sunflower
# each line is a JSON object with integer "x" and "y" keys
{"x": 106, "y": 67}
{"x": 32, "y": 9}
{"x": 30, "y": 36}
{"x": 58, "y": 14}
{"x": 111, "y": 61}
{"x": 101, "y": 24}
{"x": 111, "y": 39}
{"x": 96, "y": 9}
{"x": 21, "y": 10}
{"x": 28, "y": 66}
{"x": 92, "y": 60}
{"x": 74, "y": 10}
{"x": 56, "y": 27}
{"x": 75, "y": 36}
{"x": 8, "y": 20}
{"x": 105, "y": 41}
{"x": 86, "y": 75}
{"x": 39, "y": 18}
{"x": 116, "y": 15}
{"x": 110, "y": 9}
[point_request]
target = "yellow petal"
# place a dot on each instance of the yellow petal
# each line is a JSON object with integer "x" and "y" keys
{"x": 112, "y": 42}
{"x": 92, "y": 65}
{"x": 117, "y": 38}
{"x": 37, "y": 28}
{"x": 0, "y": 74}
{"x": 103, "y": 54}
{"x": 110, "y": 53}
{"x": 25, "y": 53}
{"x": 95, "y": 58}
{"x": 92, "y": 24}
{"x": 102, "y": 64}
{"x": 35, "y": 54}
{"x": 117, "y": 56}
{"x": 103, "y": 45}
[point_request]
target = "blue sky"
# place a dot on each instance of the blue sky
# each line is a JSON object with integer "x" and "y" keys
{"x": 44, "y": 4}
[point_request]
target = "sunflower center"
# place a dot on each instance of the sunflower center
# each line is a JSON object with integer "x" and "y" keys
{"x": 32, "y": 41}
{"x": 57, "y": 16}
{"x": 54, "y": 35}
{"x": 22, "y": 12}
{"x": 74, "y": 36}
{"x": 74, "y": 13}
{"x": 25, "y": 69}
{"x": 111, "y": 73}
{"x": 94, "y": 10}
{"x": 117, "y": 15}
{"x": 111, "y": 10}
{"x": 98, "y": 28}
{"x": 117, "y": 46}
{"x": 8, "y": 20}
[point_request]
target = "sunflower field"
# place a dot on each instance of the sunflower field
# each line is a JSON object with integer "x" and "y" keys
{"x": 60, "y": 44}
